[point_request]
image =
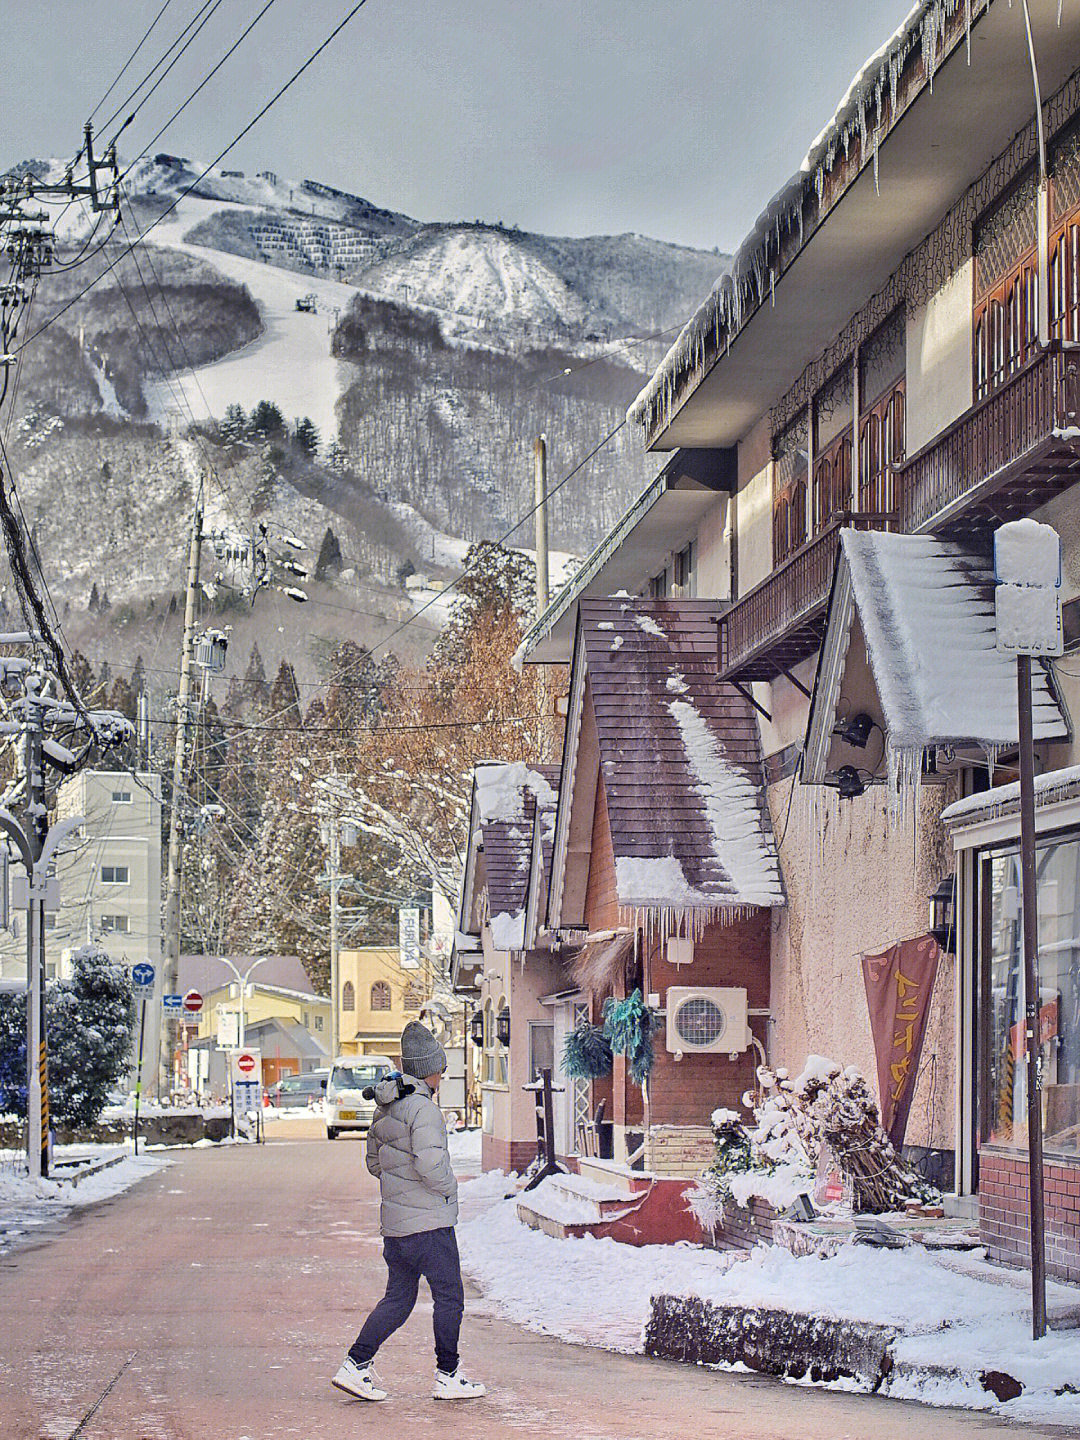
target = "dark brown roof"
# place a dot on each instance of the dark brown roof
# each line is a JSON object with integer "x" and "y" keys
{"x": 207, "y": 972}
{"x": 680, "y": 755}
{"x": 508, "y": 836}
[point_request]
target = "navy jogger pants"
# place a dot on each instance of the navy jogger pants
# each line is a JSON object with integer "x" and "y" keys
{"x": 434, "y": 1255}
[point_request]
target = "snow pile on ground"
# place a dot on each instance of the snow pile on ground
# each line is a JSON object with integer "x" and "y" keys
{"x": 956, "y": 1316}
{"x": 464, "y": 1148}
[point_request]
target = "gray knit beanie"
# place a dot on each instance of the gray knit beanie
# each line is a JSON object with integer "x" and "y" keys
{"x": 421, "y": 1053}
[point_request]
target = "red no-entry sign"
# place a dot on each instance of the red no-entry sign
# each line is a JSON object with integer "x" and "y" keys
{"x": 193, "y": 1002}
{"x": 245, "y": 1062}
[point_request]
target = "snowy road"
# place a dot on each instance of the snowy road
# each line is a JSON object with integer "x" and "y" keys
{"x": 213, "y": 1301}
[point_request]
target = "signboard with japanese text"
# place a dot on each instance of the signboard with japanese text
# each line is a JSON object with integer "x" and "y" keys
{"x": 409, "y": 937}
{"x": 899, "y": 982}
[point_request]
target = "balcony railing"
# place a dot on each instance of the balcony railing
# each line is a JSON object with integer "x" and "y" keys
{"x": 1004, "y": 457}
{"x": 780, "y": 622}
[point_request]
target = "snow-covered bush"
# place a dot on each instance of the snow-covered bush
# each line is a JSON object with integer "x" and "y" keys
{"x": 708, "y": 1196}
{"x": 89, "y": 1027}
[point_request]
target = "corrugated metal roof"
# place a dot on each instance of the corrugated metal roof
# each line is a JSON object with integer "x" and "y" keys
{"x": 681, "y": 759}
{"x": 508, "y": 840}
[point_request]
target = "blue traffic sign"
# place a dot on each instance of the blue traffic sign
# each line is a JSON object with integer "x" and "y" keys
{"x": 172, "y": 1004}
{"x": 142, "y": 976}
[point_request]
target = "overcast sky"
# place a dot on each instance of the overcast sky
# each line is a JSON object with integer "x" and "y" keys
{"x": 675, "y": 119}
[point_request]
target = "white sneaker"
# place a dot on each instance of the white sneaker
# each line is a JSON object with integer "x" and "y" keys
{"x": 357, "y": 1381}
{"x": 456, "y": 1387}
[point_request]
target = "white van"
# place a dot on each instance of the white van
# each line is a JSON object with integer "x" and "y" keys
{"x": 350, "y": 1075}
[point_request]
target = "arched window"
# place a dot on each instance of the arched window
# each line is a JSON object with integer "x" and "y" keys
{"x": 380, "y": 995}
{"x": 348, "y": 996}
{"x": 414, "y": 997}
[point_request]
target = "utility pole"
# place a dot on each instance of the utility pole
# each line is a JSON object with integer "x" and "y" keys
{"x": 334, "y": 868}
{"x": 35, "y": 827}
{"x": 171, "y": 948}
{"x": 540, "y": 486}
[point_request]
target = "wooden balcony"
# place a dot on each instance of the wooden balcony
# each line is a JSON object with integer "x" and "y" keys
{"x": 1001, "y": 459}
{"x": 781, "y": 621}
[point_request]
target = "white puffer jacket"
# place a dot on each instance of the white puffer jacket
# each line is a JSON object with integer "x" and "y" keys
{"x": 406, "y": 1150}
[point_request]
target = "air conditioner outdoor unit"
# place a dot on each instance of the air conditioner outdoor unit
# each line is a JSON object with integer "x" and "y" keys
{"x": 706, "y": 1020}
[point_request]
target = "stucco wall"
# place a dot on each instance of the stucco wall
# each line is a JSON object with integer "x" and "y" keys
{"x": 713, "y": 552}
{"x": 939, "y": 359}
{"x": 754, "y": 507}
{"x": 857, "y": 883}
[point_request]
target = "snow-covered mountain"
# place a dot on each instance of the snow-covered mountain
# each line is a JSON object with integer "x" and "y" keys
{"x": 428, "y": 356}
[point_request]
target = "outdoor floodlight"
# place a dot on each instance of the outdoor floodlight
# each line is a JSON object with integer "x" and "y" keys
{"x": 855, "y": 730}
{"x": 847, "y": 781}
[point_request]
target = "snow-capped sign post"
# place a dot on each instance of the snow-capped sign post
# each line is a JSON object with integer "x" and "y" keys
{"x": 142, "y": 982}
{"x": 1027, "y": 567}
{"x": 245, "y": 1072}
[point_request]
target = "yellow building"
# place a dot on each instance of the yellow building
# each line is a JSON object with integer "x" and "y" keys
{"x": 378, "y": 996}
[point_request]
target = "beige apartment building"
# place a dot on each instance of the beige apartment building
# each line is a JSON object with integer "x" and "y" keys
{"x": 377, "y": 997}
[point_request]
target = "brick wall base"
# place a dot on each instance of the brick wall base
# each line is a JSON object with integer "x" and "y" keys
{"x": 506, "y": 1155}
{"x": 742, "y": 1229}
{"x": 1003, "y": 1213}
{"x": 682, "y": 1150}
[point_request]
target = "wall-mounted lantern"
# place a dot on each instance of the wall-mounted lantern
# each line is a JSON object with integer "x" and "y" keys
{"x": 943, "y": 914}
{"x": 476, "y": 1029}
{"x": 502, "y": 1027}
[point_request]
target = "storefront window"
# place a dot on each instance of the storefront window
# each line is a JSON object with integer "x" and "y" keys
{"x": 1005, "y": 1093}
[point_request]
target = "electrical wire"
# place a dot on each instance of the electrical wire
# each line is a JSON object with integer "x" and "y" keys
{"x": 199, "y": 18}
{"x": 128, "y": 62}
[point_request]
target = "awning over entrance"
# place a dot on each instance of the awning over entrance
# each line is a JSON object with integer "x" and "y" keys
{"x": 910, "y": 644}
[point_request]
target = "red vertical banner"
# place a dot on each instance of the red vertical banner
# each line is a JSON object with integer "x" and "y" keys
{"x": 899, "y": 983}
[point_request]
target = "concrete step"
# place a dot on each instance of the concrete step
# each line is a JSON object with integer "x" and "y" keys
{"x": 592, "y": 1199}
{"x": 613, "y": 1174}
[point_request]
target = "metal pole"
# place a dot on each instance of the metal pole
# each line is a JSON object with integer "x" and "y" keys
{"x": 138, "y": 1073}
{"x": 334, "y": 868}
{"x": 171, "y": 967}
{"x": 1031, "y": 998}
{"x": 540, "y": 485}
{"x": 35, "y": 827}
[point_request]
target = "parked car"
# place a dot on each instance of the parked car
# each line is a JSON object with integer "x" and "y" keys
{"x": 292, "y": 1091}
{"x": 346, "y": 1107}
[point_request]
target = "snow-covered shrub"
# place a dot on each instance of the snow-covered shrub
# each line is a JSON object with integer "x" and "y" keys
{"x": 89, "y": 1027}
{"x": 706, "y": 1198}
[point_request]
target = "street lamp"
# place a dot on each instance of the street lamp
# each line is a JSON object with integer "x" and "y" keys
{"x": 243, "y": 979}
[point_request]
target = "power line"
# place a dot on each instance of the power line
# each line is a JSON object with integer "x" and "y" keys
{"x": 123, "y": 69}
{"x": 199, "y": 18}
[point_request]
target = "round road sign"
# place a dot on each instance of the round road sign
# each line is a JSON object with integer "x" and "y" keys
{"x": 143, "y": 975}
{"x": 193, "y": 1002}
{"x": 245, "y": 1062}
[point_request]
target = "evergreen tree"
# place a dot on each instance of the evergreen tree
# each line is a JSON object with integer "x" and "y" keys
{"x": 285, "y": 694}
{"x": 89, "y": 1022}
{"x": 106, "y": 603}
{"x": 138, "y": 676}
{"x": 329, "y": 562}
{"x": 82, "y": 674}
{"x": 172, "y": 604}
{"x": 335, "y": 457}
{"x": 122, "y": 698}
{"x": 94, "y": 601}
{"x": 267, "y": 421}
{"x": 104, "y": 681}
{"x": 256, "y": 690}
{"x": 306, "y": 436}
{"x": 235, "y": 424}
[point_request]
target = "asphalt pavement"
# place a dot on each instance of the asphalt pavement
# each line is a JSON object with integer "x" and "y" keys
{"x": 215, "y": 1300}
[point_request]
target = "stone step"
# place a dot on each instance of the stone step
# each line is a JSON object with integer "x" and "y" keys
{"x": 612, "y": 1173}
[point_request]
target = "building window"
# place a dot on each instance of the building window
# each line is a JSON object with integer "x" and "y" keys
{"x": 658, "y": 586}
{"x": 833, "y": 421}
{"x": 348, "y": 996}
{"x": 791, "y": 459}
{"x": 684, "y": 573}
{"x": 115, "y": 875}
{"x": 121, "y": 797}
{"x": 380, "y": 995}
{"x": 318, "y": 1022}
{"x": 882, "y": 417}
{"x": 414, "y": 997}
{"x": 50, "y": 920}
{"x": 115, "y": 924}
{"x": 1065, "y": 235}
{"x": 1003, "y": 1087}
{"x": 1006, "y": 288}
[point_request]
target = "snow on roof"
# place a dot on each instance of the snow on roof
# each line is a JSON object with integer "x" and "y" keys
{"x": 749, "y": 280}
{"x": 927, "y": 612}
{"x": 1054, "y": 786}
{"x": 501, "y": 788}
{"x": 681, "y": 761}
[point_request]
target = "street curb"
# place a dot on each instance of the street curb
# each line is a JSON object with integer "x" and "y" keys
{"x": 95, "y": 1168}
{"x": 769, "y": 1341}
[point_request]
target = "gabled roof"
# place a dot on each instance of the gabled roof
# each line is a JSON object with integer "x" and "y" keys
{"x": 925, "y": 608}
{"x": 680, "y": 757}
{"x": 207, "y": 972}
{"x": 507, "y": 797}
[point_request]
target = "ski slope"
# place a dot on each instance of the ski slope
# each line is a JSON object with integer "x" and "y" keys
{"x": 289, "y": 363}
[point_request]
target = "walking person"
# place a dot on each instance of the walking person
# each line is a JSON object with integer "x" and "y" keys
{"x": 407, "y": 1152}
